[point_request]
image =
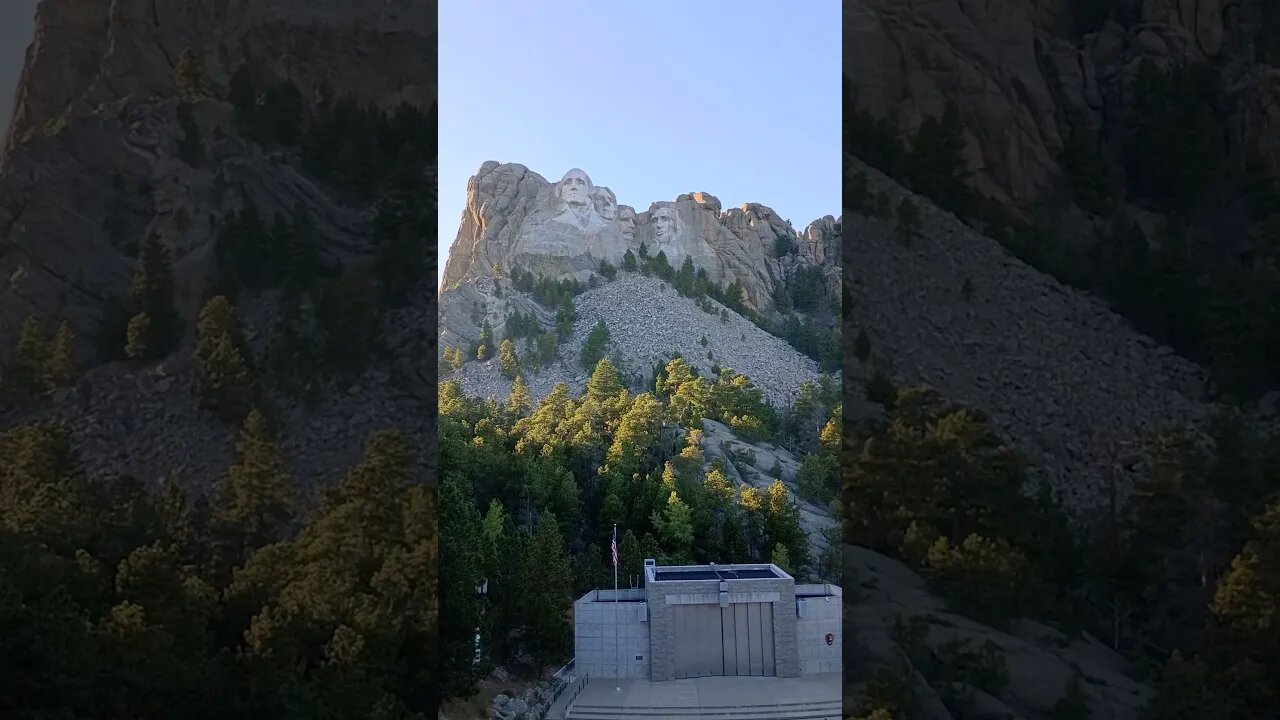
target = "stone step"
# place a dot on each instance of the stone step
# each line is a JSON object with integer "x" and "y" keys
{"x": 693, "y": 715}
{"x": 782, "y": 711}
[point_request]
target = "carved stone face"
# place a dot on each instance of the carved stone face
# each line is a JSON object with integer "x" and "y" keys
{"x": 627, "y": 223}
{"x": 575, "y": 188}
{"x": 606, "y": 204}
{"x": 664, "y": 224}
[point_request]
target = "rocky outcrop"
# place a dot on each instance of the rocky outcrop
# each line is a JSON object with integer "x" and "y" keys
{"x": 88, "y": 54}
{"x": 92, "y": 163}
{"x": 514, "y": 218}
{"x": 1022, "y": 77}
{"x": 647, "y": 322}
{"x": 881, "y": 593}
{"x": 754, "y": 465}
{"x": 1061, "y": 376}
{"x": 74, "y": 206}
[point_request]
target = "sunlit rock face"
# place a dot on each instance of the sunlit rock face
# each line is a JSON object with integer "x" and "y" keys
{"x": 515, "y": 218}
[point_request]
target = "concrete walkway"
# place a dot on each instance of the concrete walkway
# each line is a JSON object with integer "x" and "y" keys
{"x": 711, "y": 692}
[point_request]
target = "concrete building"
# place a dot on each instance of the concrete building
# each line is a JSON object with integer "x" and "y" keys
{"x": 694, "y": 621}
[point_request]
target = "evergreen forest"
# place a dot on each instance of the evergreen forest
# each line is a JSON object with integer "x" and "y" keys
{"x": 530, "y": 492}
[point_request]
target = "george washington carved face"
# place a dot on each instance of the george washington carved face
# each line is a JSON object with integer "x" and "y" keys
{"x": 573, "y": 200}
{"x": 574, "y": 189}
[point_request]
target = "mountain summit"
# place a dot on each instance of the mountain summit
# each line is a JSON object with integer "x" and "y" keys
{"x": 520, "y": 231}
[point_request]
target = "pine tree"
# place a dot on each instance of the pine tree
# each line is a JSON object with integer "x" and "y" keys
{"x": 604, "y": 382}
{"x": 684, "y": 278}
{"x": 675, "y": 526}
{"x": 188, "y": 75}
{"x": 486, "y": 341}
{"x": 549, "y": 629}
{"x": 401, "y": 259}
{"x": 453, "y": 360}
{"x": 507, "y": 360}
{"x": 519, "y": 401}
{"x": 25, "y": 375}
{"x": 462, "y": 565}
{"x": 938, "y": 168}
{"x": 350, "y": 317}
{"x": 565, "y": 315}
{"x": 152, "y": 292}
{"x": 138, "y": 337}
{"x": 629, "y": 261}
{"x": 718, "y": 486}
{"x": 594, "y": 346}
{"x": 630, "y": 562}
{"x": 256, "y": 499}
{"x": 225, "y": 382}
{"x": 782, "y": 559}
{"x": 61, "y": 370}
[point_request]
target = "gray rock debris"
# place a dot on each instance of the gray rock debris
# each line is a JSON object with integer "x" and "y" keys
{"x": 647, "y": 321}
{"x": 1060, "y": 374}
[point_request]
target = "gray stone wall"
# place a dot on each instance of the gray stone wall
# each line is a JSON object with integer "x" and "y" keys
{"x": 785, "y": 649}
{"x": 819, "y": 616}
{"x": 611, "y": 641}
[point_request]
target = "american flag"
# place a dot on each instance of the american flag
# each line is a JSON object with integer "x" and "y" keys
{"x": 615, "y": 546}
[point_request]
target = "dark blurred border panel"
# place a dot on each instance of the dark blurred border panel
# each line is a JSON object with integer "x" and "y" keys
{"x": 218, "y": 359}
{"x": 1062, "y": 313}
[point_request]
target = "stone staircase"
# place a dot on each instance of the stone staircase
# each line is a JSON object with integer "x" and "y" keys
{"x": 825, "y": 710}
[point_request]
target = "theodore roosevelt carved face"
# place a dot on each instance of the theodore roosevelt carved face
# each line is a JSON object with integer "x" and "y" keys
{"x": 627, "y": 223}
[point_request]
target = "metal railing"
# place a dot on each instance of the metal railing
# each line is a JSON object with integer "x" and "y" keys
{"x": 560, "y": 686}
{"x": 578, "y": 686}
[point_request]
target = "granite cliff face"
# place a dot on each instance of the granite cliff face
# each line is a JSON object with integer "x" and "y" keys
{"x": 94, "y": 164}
{"x": 94, "y": 141}
{"x": 514, "y": 218}
{"x": 1024, "y": 73}
{"x": 88, "y": 54}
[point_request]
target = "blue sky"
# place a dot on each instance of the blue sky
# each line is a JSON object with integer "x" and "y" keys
{"x": 738, "y": 98}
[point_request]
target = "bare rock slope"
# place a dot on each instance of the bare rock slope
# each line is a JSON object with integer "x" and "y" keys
{"x": 882, "y": 595}
{"x": 1063, "y": 377}
{"x": 648, "y": 321}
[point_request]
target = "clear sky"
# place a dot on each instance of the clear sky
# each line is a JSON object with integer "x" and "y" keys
{"x": 17, "y": 21}
{"x": 737, "y": 98}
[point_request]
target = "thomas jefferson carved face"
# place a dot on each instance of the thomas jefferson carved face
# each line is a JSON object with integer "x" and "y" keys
{"x": 664, "y": 224}
{"x": 574, "y": 189}
{"x": 605, "y": 202}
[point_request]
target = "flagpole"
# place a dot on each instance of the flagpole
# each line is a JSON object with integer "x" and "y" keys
{"x": 617, "y": 664}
